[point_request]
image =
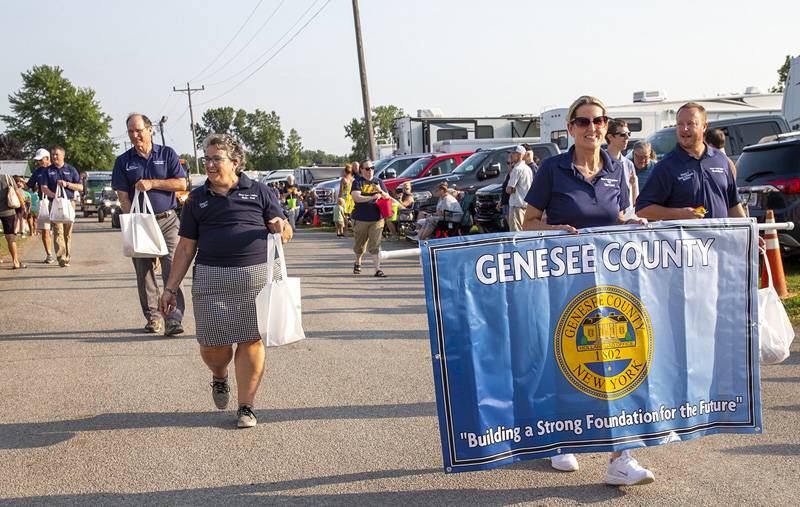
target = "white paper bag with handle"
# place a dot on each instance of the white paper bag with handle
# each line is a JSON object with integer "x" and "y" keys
{"x": 278, "y": 304}
{"x": 44, "y": 210}
{"x": 775, "y": 328}
{"x": 141, "y": 235}
{"x": 62, "y": 211}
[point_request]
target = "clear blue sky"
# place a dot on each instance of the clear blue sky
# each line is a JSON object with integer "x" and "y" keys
{"x": 466, "y": 57}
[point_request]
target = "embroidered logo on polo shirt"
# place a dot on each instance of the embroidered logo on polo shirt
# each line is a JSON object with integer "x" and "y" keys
{"x": 685, "y": 176}
{"x": 610, "y": 182}
{"x": 203, "y": 204}
{"x": 133, "y": 167}
{"x": 158, "y": 162}
{"x": 247, "y": 197}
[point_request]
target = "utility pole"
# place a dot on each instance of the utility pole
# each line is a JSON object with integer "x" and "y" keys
{"x": 161, "y": 123}
{"x": 364, "y": 88}
{"x": 188, "y": 90}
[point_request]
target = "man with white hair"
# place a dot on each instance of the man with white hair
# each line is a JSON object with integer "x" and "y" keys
{"x": 519, "y": 182}
{"x": 36, "y": 182}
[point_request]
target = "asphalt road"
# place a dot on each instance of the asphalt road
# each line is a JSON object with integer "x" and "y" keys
{"x": 97, "y": 413}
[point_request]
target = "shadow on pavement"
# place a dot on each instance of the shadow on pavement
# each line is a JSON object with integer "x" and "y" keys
{"x": 85, "y": 336}
{"x": 403, "y": 334}
{"x": 766, "y": 450}
{"x": 264, "y": 494}
{"x": 781, "y": 379}
{"x": 32, "y": 434}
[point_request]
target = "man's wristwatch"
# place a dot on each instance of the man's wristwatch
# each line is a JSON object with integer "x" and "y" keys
{"x": 171, "y": 291}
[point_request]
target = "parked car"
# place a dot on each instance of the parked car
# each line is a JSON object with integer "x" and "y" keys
{"x": 488, "y": 216}
{"x": 483, "y": 168}
{"x": 429, "y": 165}
{"x": 739, "y": 133}
{"x": 96, "y": 182}
{"x": 768, "y": 177}
{"x": 327, "y": 192}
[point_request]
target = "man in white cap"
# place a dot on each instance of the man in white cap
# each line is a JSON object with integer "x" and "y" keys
{"x": 36, "y": 182}
{"x": 519, "y": 182}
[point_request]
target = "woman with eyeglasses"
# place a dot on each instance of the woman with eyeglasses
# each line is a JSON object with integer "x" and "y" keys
{"x": 584, "y": 187}
{"x": 225, "y": 222}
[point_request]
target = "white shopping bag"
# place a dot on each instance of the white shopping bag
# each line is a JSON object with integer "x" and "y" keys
{"x": 62, "y": 211}
{"x": 141, "y": 235}
{"x": 774, "y": 327}
{"x": 44, "y": 210}
{"x": 278, "y": 303}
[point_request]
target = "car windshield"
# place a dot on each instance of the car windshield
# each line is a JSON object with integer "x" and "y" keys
{"x": 759, "y": 166}
{"x": 472, "y": 163}
{"x": 379, "y": 165}
{"x": 415, "y": 169}
{"x": 94, "y": 183}
{"x": 663, "y": 142}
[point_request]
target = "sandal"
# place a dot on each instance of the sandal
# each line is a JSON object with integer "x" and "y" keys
{"x": 20, "y": 266}
{"x": 380, "y": 274}
{"x": 356, "y": 269}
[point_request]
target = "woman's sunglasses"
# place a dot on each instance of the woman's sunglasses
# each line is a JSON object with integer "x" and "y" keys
{"x": 582, "y": 122}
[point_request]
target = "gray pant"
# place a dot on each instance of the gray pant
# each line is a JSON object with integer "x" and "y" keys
{"x": 146, "y": 273}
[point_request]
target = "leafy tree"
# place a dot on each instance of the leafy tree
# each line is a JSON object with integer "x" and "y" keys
{"x": 221, "y": 120}
{"x": 319, "y": 157}
{"x": 49, "y": 110}
{"x": 11, "y": 148}
{"x": 383, "y": 118}
{"x": 294, "y": 149}
{"x": 783, "y": 74}
{"x": 264, "y": 139}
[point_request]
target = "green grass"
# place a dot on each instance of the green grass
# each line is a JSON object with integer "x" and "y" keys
{"x": 791, "y": 268}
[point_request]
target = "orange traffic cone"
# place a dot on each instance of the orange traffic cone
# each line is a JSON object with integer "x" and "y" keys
{"x": 315, "y": 220}
{"x": 774, "y": 256}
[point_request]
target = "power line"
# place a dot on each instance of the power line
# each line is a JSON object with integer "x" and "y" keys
{"x": 247, "y": 44}
{"x": 188, "y": 90}
{"x": 271, "y": 57}
{"x": 229, "y": 42}
{"x": 259, "y": 57}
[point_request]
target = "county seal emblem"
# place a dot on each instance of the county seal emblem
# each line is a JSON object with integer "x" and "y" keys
{"x": 604, "y": 342}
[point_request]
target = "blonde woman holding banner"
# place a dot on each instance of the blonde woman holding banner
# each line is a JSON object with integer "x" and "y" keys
{"x": 225, "y": 224}
{"x": 584, "y": 187}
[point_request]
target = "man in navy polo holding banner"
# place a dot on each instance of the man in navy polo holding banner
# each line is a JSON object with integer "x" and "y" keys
{"x": 154, "y": 169}
{"x": 692, "y": 181}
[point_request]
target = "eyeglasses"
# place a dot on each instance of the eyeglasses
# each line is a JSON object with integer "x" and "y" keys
{"x": 626, "y": 135}
{"x": 212, "y": 160}
{"x": 369, "y": 168}
{"x": 582, "y": 122}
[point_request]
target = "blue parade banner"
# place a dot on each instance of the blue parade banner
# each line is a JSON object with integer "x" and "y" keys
{"x": 614, "y": 338}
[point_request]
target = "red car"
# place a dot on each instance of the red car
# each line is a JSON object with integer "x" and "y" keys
{"x": 429, "y": 165}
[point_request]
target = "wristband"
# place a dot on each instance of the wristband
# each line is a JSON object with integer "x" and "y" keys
{"x": 171, "y": 291}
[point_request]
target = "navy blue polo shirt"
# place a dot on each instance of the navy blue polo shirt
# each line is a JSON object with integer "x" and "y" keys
{"x": 66, "y": 173}
{"x": 681, "y": 181}
{"x": 162, "y": 164}
{"x": 230, "y": 230}
{"x": 38, "y": 177}
{"x": 569, "y": 199}
{"x": 367, "y": 211}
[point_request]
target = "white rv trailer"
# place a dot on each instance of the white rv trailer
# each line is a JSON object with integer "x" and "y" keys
{"x": 418, "y": 134}
{"x": 652, "y": 112}
{"x": 461, "y": 145}
{"x": 791, "y": 95}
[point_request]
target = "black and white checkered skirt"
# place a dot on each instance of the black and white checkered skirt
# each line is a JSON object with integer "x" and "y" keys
{"x": 224, "y": 300}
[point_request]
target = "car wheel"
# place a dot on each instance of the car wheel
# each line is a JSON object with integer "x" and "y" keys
{"x": 101, "y": 217}
{"x": 86, "y": 213}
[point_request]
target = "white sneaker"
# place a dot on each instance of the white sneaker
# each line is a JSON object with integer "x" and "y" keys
{"x": 564, "y": 462}
{"x": 626, "y": 471}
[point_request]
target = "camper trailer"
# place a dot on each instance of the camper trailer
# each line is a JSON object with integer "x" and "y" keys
{"x": 419, "y": 134}
{"x": 651, "y": 112}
